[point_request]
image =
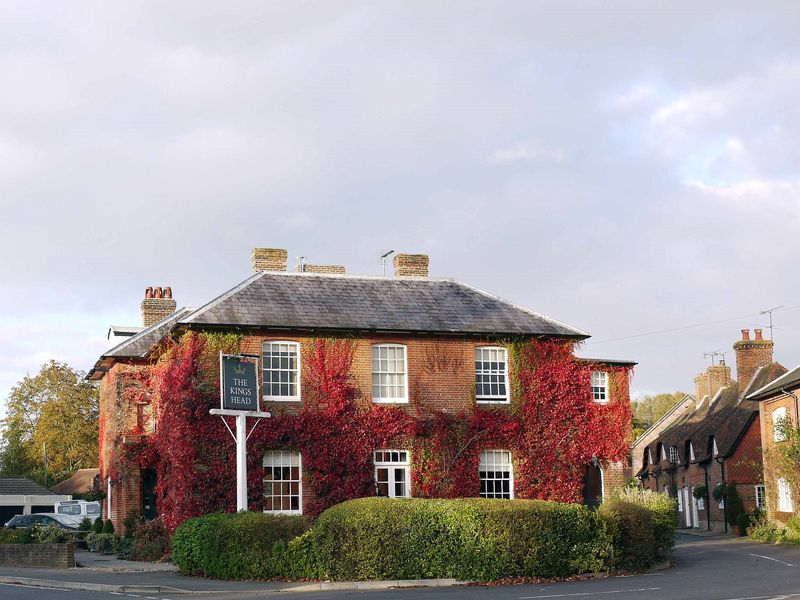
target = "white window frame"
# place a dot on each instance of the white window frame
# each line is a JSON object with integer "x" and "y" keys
{"x": 299, "y": 481}
{"x": 691, "y": 451}
{"x": 394, "y": 400}
{"x": 714, "y": 448}
{"x": 779, "y": 414}
{"x": 680, "y": 500}
{"x": 393, "y": 465}
{"x": 674, "y": 457}
{"x": 599, "y": 381}
{"x": 761, "y": 495}
{"x": 485, "y": 462}
{"x": 649, "y": 456}
{"x": 500, "y": 398}
{"x": 265, "y": 386}
{"x": 663, "y": 453}
{"x": 785, "y": 503}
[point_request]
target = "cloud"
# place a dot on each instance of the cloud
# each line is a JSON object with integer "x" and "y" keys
{"x": 532, "y": 151}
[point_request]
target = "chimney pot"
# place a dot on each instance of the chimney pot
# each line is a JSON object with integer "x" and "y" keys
{"x": 148, "y": 292}
{"x": 167, "y": 292}
{"x": 745, "y": 335}
{"x": 410, "y": 265}
{"x": 759, "y": 335}
{"x": 157, "y": 293}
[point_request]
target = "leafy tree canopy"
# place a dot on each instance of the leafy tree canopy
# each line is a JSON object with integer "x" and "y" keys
{"x": 56, "y": 409}
{"x": 649, "y": 409}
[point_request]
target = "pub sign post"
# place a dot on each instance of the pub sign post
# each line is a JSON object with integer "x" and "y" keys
{"x": 239, "y": 397}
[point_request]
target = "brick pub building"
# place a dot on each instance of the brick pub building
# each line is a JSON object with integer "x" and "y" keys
{"x": 714, "y": 439}
{"x": 424, "y": 345}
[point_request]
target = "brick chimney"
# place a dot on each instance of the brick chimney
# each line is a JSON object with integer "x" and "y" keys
{"x": 269, "y": 259}
{"x": 709, "y": 382}
{"x": 750, "y": 355}
{"x": 157, "y": 304}
{"x": 331, "y": 269}
{"x": 411, "y": 265}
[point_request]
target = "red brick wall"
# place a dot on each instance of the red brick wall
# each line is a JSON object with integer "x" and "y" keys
{"x": 770, "y": 446}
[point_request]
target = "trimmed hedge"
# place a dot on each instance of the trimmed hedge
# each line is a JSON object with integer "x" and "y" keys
{"x": 642, "y": 523}
{"x": 469, "y": 539}
{"x": 242, "y": 545}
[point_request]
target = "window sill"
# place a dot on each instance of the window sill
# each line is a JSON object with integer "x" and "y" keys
{"x": 492, "y": 401}
{"x": 279, "y": 399}
{"x": 391, "y": 401}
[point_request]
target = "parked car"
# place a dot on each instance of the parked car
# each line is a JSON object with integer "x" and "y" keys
{"x": 78, "y": 509}
{"x": 25, "y": 521}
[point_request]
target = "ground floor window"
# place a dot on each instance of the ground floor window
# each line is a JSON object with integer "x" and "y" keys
{"x": 282, "y": 482}
{"x": 496, "y": 474}
{"x": 784, "y": 496}
{"x": 392, "y": 473}
{"x": 761, "y": 496}
{"x": 680, "y": 501}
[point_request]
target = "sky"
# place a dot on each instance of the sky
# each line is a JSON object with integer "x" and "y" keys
{"x": 625, "y": 167}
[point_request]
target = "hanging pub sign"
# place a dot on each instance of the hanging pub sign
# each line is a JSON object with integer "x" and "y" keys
{"x": 239, "y": 382}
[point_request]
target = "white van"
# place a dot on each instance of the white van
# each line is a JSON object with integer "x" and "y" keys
{"x": 78, "y": 509}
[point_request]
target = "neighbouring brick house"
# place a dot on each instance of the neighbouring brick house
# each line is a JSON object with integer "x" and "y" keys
{"x": 715, "y": 439}
{"x": 779, "y": 403}
{"x": 424, "y": 345}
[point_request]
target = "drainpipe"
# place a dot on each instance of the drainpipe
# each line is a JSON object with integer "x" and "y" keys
{"x": 796, "y": 415}
{"x": 708, "y": 500}
{"x": 725, "y": 503}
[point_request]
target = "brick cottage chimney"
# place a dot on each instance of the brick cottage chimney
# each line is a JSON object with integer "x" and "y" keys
{"x": 330, "y": 269}
{"x": 713, "y": 379}
{"x": 410, "y": 265}
{"x": 750, "y": 355}
{"x": 269, "y": 259}
{"x": 157, "y": 304}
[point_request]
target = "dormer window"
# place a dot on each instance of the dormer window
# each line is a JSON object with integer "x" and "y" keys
{"x": 691, "y": 451}
{"x": 663, "y": 453}
{"x": 600, "y": 386}
{"x": 673, "y": 455}
{"x": 714, "y": 447}
{"x": 649, "y": 456}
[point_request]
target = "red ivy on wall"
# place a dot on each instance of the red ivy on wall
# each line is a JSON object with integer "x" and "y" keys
{"x": 553, "y": 428}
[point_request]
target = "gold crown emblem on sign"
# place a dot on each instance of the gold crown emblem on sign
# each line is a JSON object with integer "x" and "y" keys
{"x": 239, "y": 369}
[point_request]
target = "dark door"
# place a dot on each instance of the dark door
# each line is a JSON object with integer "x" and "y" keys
{"x": 149, "y": 494}
{"x": 592, "y": 486}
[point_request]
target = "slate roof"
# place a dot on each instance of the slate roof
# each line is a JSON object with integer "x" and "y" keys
{"x": 788, "y": 380}
{"x": 724, "y": 417}
{"x": 82, "y": 481}
{"x": 358, "y": 303}
{"x": 22, "y": 486}
{"x": 140, "y": 344}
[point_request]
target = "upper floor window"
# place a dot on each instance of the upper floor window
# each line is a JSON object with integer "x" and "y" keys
{"x": 600, "y": 386}
{"x": 778, "y": 424}
{"x": 714, "y": 448}
{"x": 673, "y": 455}
{"x": 691, "y": 451}
{"x": 496, "y": 474}
{"x": 663, "y": 453}
{"x": 282, "y": 482}
{"x": 784, "y": 495}
{"x": 281, "y": 368}
{"x": 392, "y": 473}
{"x": 491, "y": 374}
{"x": 389, "y": 373}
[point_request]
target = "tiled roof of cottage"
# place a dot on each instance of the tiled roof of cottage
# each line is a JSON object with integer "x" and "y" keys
{"x": 21, "y": 486}
{"x": 360, "y": 303}
{"x": 723, "y": 418}
{"x": 789, "y": 380}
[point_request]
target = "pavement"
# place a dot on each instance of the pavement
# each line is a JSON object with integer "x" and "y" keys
{"x": 708, "y": 567}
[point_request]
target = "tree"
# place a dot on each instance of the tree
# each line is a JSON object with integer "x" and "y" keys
{"x": 649, "y": 409}
{"x": 56, "y": 408}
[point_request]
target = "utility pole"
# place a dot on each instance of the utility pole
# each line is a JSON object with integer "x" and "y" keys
{"x": 44, "y": 451}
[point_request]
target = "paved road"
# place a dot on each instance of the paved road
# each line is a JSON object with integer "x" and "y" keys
{"x": 707, "y": 569}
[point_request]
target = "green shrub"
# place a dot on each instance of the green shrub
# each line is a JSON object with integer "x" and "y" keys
{"x": 49, "y": 534}
{"x": 101, "y": 542}
{"x": 98, "y": 525}
{"x": 150, "y": 541}
{"x": 700, "y": 492}
{"x": 122, "y": 547}
{"x": 85, "y": 524}
{"x": 15, "y": 536}
{"x": 381, "y": 538}
{"x": 743, "y": 522}
{"x": 236, "y": 546}
{"x": 642, "y": 524}
{"x": 131, "y": 522}
{"x": 764, "y": 530}
{"x": 733, "y": 504}
{"x": 108, "y": 526}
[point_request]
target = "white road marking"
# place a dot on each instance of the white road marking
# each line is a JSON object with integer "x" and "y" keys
{"x": 770, "y": 558}
{"x": 589, "y": 593}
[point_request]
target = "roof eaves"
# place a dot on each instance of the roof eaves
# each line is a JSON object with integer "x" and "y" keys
{"x": 789, "y": 379}
{"x": 663, "y": 417}
{"x": 577, "y": 332}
